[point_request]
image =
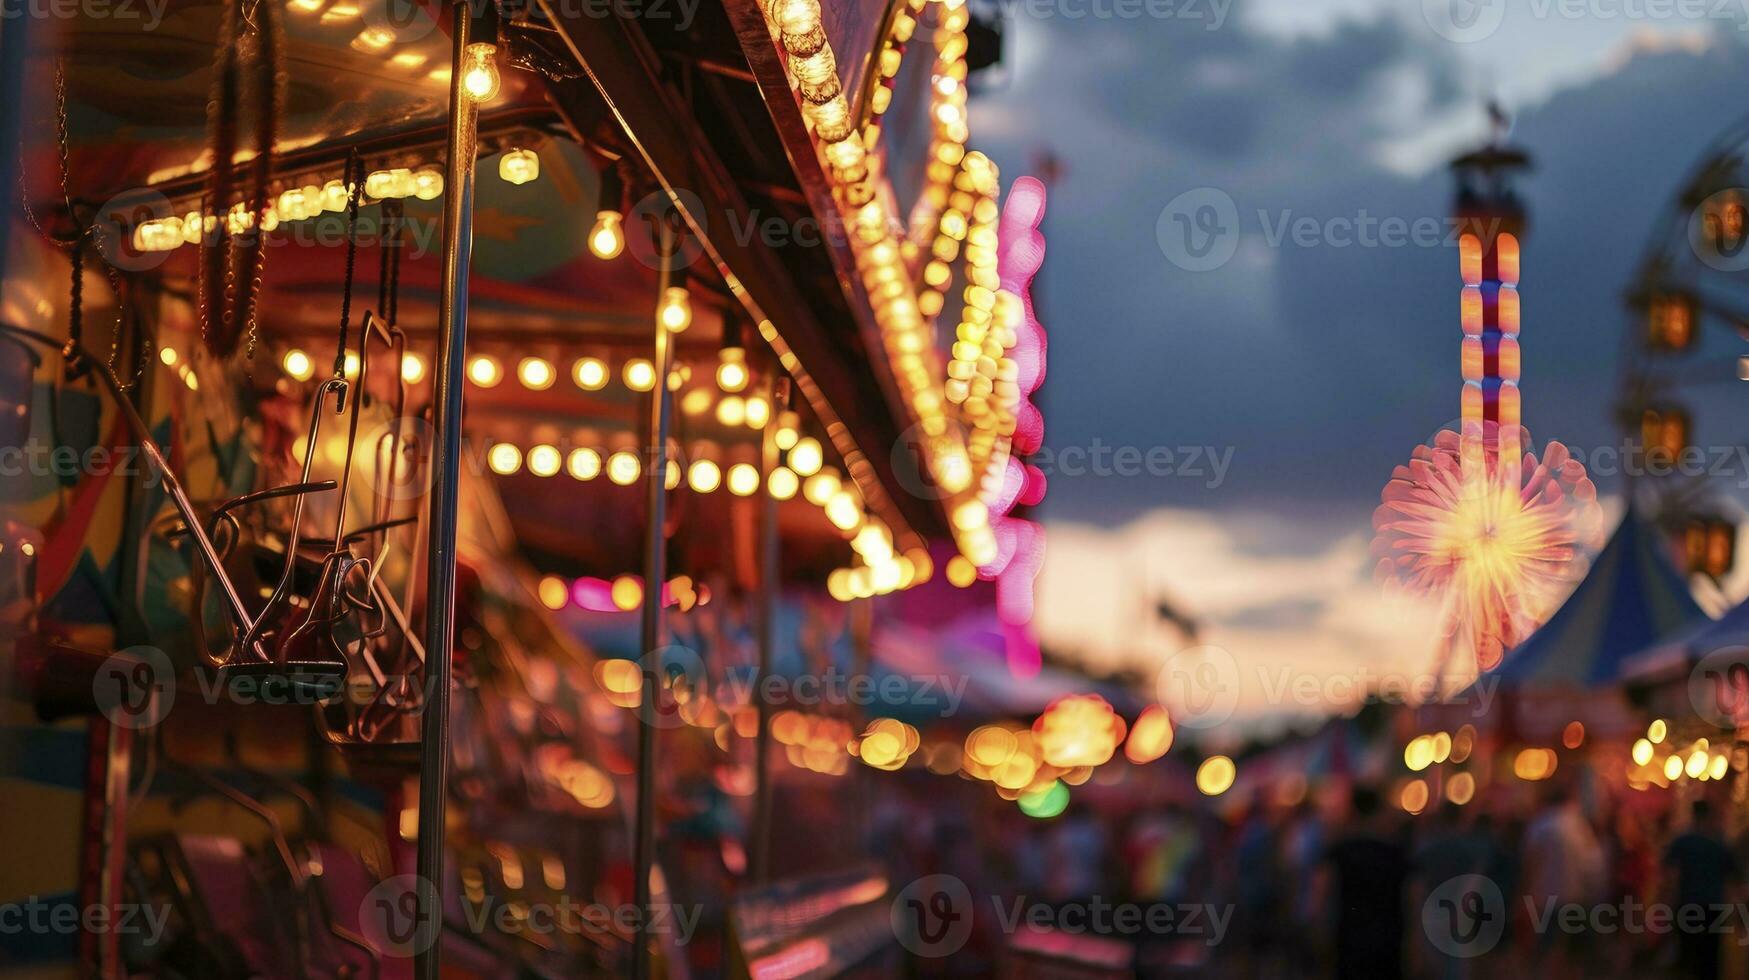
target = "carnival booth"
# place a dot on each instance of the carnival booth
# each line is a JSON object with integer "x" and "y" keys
{"x": 412, "y": 430}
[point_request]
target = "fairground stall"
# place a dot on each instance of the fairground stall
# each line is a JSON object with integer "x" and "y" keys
{"x": 429, "y": 427}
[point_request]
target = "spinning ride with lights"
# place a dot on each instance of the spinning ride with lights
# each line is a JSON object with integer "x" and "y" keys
{"x": 1477, "y": 519}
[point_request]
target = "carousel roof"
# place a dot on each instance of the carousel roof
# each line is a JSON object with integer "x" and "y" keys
{"x": 1631, "y": 597}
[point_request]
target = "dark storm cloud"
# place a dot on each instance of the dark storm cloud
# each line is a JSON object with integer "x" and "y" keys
{"x": 1319, "y": 365}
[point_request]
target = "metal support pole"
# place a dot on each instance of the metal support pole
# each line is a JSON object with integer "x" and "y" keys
{"x": 655, "y": 573}
{"x": 761, "y": 832}
{"x": 440, "y": 556}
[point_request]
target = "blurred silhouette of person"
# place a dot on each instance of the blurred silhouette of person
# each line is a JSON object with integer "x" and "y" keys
{"x": 1368, "y": 873}
{"x": 1303, "y": 846}
{"x": 1450, "y": 847}
{"x": 1563, "y": 865}
{"x": 1703, "y": 867}
{"x": 1259, "y": 883}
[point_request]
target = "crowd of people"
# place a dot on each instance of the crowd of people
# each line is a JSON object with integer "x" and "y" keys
{"x": 1568, "y": 880}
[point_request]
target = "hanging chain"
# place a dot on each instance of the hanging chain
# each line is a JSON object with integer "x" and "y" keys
{"x": 354, "y": 178}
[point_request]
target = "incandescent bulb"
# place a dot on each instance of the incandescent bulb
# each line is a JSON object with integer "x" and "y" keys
{"x": 607, "y": 239}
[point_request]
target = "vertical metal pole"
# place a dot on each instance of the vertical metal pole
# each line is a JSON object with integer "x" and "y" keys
{"x": 861, "y": 665}
{"x": 446, "y": 422}
{"x": 768, "y": 586}
{"x": 655, "y": 573}
{"x": 13, "y": 37}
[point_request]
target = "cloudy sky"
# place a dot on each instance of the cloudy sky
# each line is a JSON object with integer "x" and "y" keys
{"x": 1277, "y": 390}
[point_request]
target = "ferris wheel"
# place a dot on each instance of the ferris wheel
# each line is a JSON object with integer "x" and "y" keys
{"x": 1685, "y": 348}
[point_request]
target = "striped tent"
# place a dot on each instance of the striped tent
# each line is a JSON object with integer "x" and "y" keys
{"x": 1675, "y": 655}
{"x": 1631, "y": 598}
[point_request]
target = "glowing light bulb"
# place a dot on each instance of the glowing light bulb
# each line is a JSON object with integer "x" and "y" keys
{"x": 783, "y": 483}
{"x": 298, "y": 365}
{"x": 788, "y": 430}
{"x": 628, "y": 593}
{"x": 797, "y": 17}
{"x": 485, "y": 371}
{"x": 675, "y": 313}
{"x": 732, "y": 369}
{"x": 480, "y": 71}
{"x": 732, "y": 410}
{"x": 504, "y": 459}
{"x": 543, "y": 461}
{"x": 820, "y": 487}
{"x": 623, "y": 468}
{"x": 536, "y": 374}
{"x": 554, "y": 593}
{"x": 704, "y": 476}
{"x": 640, "y": 375}
{"x": 427, "y": 183}
{"x": 412, "y": 368}
{"x": 589, "y": 373}
{"x": 806, "y": 456}
{"x": 607, "y": 239}
{"x": 843, "y": 511}
{"x": 519, "y": 166}
{"x": 758, "y": 412}
{"x": 743, "y": 479}
{"x": 584, "y": 464}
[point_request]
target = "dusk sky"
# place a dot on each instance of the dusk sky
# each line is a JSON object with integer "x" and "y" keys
{"x": 1315, "y": 365}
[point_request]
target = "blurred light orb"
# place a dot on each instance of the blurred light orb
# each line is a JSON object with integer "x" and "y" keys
{"x": 1215, "y": 776}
